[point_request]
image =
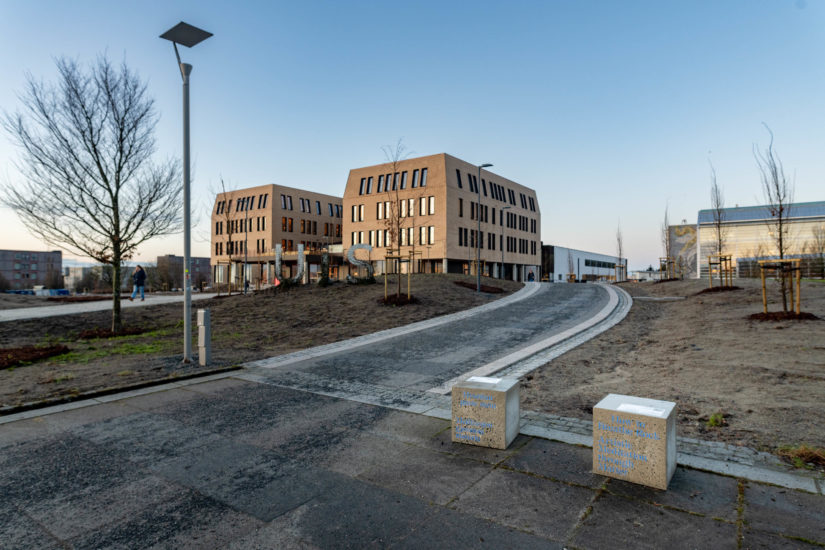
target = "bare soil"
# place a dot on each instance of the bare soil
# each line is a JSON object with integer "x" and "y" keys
{"x": 244, "y": 328}
{"x": 766, "y": 378}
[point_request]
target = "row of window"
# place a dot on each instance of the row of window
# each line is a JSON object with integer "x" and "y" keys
{"x": 241, "y": 225}
{"x": 242, "y": 204}
{"x": 27, "y": 267}
{"x": 310, "y": 227}
{"x": 599, "y": 263}
{"x": 522, "y": 246}
{"x": 498, "y": 192}
{"x": 394, "y": 182}
{"x": 385, "y": 210}
{"x": 379, "y": 238}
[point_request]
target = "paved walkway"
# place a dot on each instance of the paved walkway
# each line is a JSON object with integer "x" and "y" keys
{"x": 330, "y": 449}
{"x": 83, "y": 307}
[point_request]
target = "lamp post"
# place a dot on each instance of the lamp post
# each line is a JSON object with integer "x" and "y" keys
{"x": 478, "y": 231}
{"x": 186, "y": 35}
{"x": 501, "y": 267}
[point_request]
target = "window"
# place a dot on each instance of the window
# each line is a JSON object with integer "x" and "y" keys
{"x": 460, "y": 236}
{"x": 395, "y": 181}
{"x": 432, "y": 205}
{"x": 379, "y": 211}
{"x": 387, "y": 210}
{"x": 339, "y": 211}
{"x": 532, "y": 205}
{"x": 411, "y": 208}
{"x": 403, "y": 209}
{"x": 404, "y": 179}
{"x": 403, "y": 237}
{"x": 422, "y": 235}
{"x": 303, "y": 226}
{"x": 380, "y": 239}
{"x": 369, "y": 186}
{"x": 458, "y": 178}
{"x": 423, "y": 177}
{"x": 360, "y": 237}
{"x": 415, "y": 178}
{"x": 460, "y": 208}
{"x": 355, "y": 212}
{"x": 372, "y": 237}
{"x": 354, "y": 236}
{"x": 363, "y": 184}
{"x": 289, "y": 202}
{"x": 263, "y": 223}
{"x": 266, "y": 198}
{"x": 337, "y": 229}
{"x": 360, "y": 212}
{"x": 289, "y": 225}
{"x": 330, "y": 209}
{"x": 472, "y": 210}
{"x": 318, "y": 207}
{"x": 483, "y": 187}
{"x": 432, "y": 234}
{"x": 523, "y": 200}
{"x": 283, "y": 202}
{"x": 494, "y": 216}
{"x": 380, "y": 183}
{"x": 423, "y": 206}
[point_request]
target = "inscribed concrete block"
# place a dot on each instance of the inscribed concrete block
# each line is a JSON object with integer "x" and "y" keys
{"x": 634, "y": 439}
{"x": 486, "y": 411}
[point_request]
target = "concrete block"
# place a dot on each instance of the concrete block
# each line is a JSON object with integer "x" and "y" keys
{"x": 485, "y": 411}
{"x": 634, "y": 439}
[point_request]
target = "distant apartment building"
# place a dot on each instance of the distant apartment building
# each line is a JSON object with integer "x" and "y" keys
{"x": 434, "y": 198}
{"x": 23, "y": 269}
{"x": 170, "y": 272}
{"x": 248, "y": 223}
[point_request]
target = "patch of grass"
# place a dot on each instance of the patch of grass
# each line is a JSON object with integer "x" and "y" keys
{"x": 716, "y": 420}
{"x": 803, "y": 456}
{"x": 126, "y": 373}
{"x": 129, "y": 348}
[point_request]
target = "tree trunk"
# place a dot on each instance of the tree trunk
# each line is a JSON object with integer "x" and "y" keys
{"x": 116, "y": 321}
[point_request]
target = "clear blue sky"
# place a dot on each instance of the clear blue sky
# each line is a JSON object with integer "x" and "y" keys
{"x": 610, "y": 110}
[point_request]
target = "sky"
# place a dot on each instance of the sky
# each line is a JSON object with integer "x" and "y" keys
{"x": 612, "y": 111}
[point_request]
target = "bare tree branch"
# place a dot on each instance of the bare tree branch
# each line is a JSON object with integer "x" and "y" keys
{"x": 88, "y": 181}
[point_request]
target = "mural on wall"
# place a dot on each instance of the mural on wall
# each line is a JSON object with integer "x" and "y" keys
{"x": 683, "y": 249}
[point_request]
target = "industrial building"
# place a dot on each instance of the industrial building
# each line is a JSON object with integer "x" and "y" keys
{"x": 748, "y": 236}
{"x": 429, "y": 205}
{"x": 563, "y": 265}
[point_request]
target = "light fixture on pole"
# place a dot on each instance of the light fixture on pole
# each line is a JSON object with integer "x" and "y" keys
{"x": 186, "y": 35}
{"x": 478, "y": 231}
{"x": 501, "y": 244}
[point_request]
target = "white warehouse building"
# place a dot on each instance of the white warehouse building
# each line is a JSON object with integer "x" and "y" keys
{"x": 561, "y": 264}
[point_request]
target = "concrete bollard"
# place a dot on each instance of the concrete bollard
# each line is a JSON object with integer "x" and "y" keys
{"x": 204, "y": 338}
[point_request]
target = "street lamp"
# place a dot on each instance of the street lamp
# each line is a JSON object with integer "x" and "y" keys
{"x": 501, "y": 244}
{"x": 478, "y": 232}
{"x": 186, "y": 35}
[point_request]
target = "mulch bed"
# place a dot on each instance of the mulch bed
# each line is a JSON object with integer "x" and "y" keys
{"x": 92, "y": 333}
{"x": 718, "y": 289}
{"x": 666, "y": 280}
{"x": 484, "y": 288}
{"x": 783, "y": 316}
{"x": 398, "y": 300}
{"x": 11, "y": 357}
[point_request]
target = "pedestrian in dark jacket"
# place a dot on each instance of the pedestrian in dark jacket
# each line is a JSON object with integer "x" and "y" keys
{"x": 139, "y": 279}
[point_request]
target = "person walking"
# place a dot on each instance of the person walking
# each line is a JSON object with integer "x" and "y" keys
{"x": 139, "y": 278}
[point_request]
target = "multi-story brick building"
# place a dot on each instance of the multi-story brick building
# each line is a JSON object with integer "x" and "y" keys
{"x": 248, "y": 223}
{"x": 433, "y": 200}
{"x": 24, "y": 269}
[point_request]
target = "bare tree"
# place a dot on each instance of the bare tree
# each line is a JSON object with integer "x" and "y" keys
{"x": 89, "y": 181}
{"x": 666, "y": 244}
{"x": 817, "y": 246}
{"x": 620, "y": 250}
{"x": 227, "y": 227}
{"x": 717, "y": 206}
{"x": 393, "y": 219}
{"x": 777, "y": 191}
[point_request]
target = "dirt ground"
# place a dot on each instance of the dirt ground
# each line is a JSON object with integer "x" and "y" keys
{"x": 244, "y": 328}
{"x": 766, "y": 378}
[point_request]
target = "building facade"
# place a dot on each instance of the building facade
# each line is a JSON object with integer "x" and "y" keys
{"x": 247, "y": 224}
{"x": 748, "y": 235}
{"x": 568, "y": 265}
{"x": 24, "y": 269}
{"x": 424, "y": 210}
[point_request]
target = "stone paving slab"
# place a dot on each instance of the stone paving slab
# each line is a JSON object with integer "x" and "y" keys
{"x": 357, "y": 476}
